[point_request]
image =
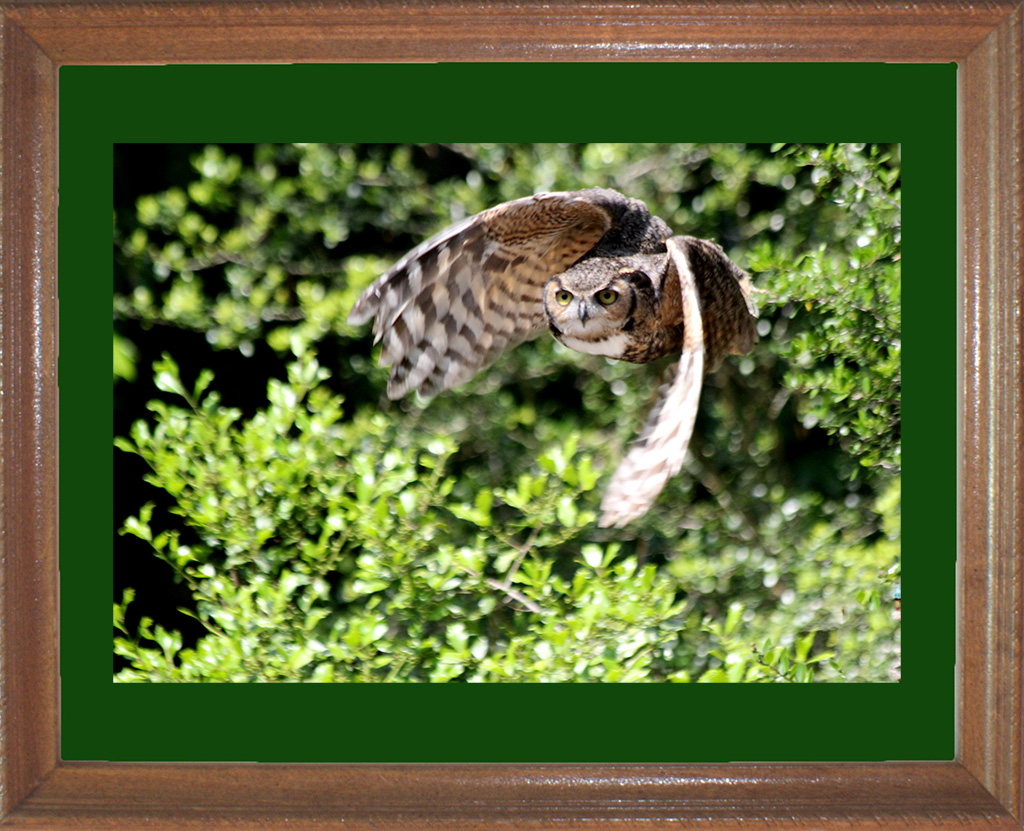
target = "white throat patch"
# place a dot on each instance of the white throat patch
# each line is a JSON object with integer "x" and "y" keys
{"x": 611, "y": 347}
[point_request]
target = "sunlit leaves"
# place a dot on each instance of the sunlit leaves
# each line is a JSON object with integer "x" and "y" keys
{"x": 326, "y": 534}
{"x": 842, "y": 293}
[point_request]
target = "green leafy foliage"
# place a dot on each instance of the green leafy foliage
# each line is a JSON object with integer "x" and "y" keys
{"x": 845, "y": 358}
{"x": 326, "y": 534}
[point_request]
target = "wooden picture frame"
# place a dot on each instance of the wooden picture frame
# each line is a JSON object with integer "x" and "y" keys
{"x": 983, "y": 786}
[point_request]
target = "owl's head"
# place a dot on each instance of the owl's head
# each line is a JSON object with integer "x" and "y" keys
{"x": 592, "y": 306}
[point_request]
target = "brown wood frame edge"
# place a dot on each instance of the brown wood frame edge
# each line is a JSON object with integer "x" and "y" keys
{"x": 984, "y": 787}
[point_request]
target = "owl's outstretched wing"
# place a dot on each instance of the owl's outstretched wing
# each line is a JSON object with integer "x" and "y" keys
{"x": 727, "y": 310}
{"x": 452, "y": 305}
{"x": 658, "y": 453}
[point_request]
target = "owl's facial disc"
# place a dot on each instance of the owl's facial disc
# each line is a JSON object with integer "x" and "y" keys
{"x": 598, "y": 302}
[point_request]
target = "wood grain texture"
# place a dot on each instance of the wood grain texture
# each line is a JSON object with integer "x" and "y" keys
{"x": 983, "y": 788}
{"x": 483, "y": 796}
{"x": 28, "y": 423}
{"x": 992, "y": 453}
{"x": 217, "y": 32}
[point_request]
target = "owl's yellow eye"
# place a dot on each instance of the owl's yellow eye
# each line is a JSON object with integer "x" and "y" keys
{"x": 606, "y": 297}
{"x": 563, "y": 297}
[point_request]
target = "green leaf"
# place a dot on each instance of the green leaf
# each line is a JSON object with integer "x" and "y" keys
{"x": 593, "y": 555}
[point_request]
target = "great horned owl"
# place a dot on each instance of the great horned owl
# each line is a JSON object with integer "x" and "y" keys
{"x": 598, "y": 271}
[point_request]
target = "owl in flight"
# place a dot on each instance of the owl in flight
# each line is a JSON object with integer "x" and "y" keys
{"x": 600, "y": 273}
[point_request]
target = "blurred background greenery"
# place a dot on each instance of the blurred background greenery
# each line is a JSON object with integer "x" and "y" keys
{"x": 280, "y": 519}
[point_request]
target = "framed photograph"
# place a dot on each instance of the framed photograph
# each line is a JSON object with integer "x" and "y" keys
{"x": 537, "y": 755}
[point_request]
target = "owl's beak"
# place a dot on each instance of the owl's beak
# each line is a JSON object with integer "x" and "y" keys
{"x": 583, "y": 314}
